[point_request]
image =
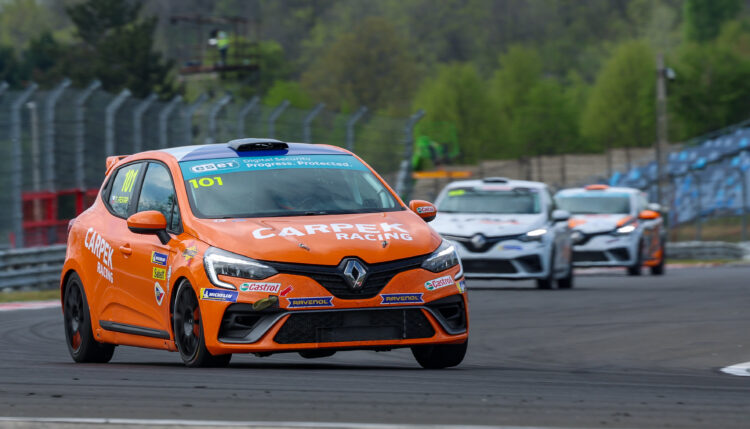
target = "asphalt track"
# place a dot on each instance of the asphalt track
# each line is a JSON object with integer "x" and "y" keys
{"x": 616, "y": 351}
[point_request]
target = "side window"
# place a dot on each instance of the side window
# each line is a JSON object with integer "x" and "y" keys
{"x": 122, "y": 188}
{"x": 157, "y": 193}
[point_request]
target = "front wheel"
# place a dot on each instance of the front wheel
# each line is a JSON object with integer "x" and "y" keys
{"x": 658, "y": 269}
{"x": 188, "y": 331}
{"x": 567, "y": 281}
{"x": 549, "y": 281}
{"x": 438, "y": 356}
{"x": 79, "y": 336}
{"x": 635, "y": 269}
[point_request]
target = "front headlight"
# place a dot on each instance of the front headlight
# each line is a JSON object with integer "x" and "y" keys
{"x": 627, "y": 229}
{"x": 534, "y": 234}
{"x": 443, "y": 258}
{"x": 217, "y": 261}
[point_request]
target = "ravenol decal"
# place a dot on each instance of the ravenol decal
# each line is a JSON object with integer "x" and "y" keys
{"x": 158, "y": 258}
{"x": 194, "y": 169}
{"x": 401, "y": 298}
{"x": 343, "y": 231}
{"x": 322, "y": 301}
{"x": 260, "y": 287}
{"x": 439, "y": 283}
{"x": 159, "y": 293}
{"x": 159, "y": 273}
{"x": 219, "y": 295}
{"x": 99, "y": 247}
{"x": 509, "y": 247}
{"x": 425, "y": 209}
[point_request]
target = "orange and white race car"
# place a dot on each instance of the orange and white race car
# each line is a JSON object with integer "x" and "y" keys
{"x": 258, "y": 246}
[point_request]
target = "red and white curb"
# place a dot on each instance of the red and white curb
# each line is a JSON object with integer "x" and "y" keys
{"x": 741, "y": 369}
{"x": 28, "y": 305}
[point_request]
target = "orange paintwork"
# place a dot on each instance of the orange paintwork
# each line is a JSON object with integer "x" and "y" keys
{"x": 118, "y": 272}
{"x": 424, "y": 209}
{"x": 624, "y": 220}
{"x": 147, "y": 220}
{"x": 648, "y": 215}
{"x": 596, "y": 187}
{"x": 572, "y": 223}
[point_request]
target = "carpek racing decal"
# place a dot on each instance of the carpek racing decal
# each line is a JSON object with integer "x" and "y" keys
{"x": 159, "y": 273}
{"x": 158, "y": 258}
{"x": 99, "y": 247}
{"x": 260, "y": 287}
{"x": 401, "y": 298}
{"x": 310, "y": 302}
{"x": 159, "y": 293}
{"x": 439, "y": 282}
{"x": 342, "y": 231}
{"x": 219, "y": 295}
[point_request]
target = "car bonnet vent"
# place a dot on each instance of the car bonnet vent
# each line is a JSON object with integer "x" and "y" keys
{"x": 247, "y": 145}
{"x": 495, "y": 180}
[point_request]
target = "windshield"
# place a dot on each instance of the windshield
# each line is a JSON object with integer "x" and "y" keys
{"x": 291, "y": 185}
{"x": 595, "y": 203}
{"x": 499, "y": 201}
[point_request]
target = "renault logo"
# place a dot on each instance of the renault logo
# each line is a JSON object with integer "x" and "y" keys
{"x": 478, "y": 241}
{"x": 354, "y": 274}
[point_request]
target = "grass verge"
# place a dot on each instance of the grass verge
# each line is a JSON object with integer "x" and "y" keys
{"x": 42, "y": 295}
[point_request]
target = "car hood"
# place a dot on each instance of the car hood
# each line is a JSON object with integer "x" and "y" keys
{"x": 489, "y": 225}
{"x": 591, "y": 224}
{"x": 324, "y": 239}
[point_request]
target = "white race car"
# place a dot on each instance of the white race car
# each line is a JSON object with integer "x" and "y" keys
{"x": 614, "y": 227}
{"x": 507, "y": 229}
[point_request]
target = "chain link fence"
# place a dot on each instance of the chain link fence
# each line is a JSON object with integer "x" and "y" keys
{"x": 53, "y": 144}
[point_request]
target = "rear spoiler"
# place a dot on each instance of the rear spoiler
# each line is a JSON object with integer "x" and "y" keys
{"x": 112, "y": 160}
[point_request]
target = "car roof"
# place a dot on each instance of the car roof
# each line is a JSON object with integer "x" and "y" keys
{"x": 607, "y": 190}
{"x": 224, "y": 150}
{"x": 496, "y": 181}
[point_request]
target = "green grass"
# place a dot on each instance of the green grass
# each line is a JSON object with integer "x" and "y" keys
{"x": 724, "y": 228}
{"x": 702, "y": 261}
{"x": 30, "y": 295}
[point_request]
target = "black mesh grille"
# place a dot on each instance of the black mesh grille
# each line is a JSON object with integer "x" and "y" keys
{"x": 331, "y": 277}
{"x": 354, "y": 325}
{"x": 531, "y": 263}
{"x": 621, "y": 253}
{"x": 487, "y": 245}
{"x": 589, "y": 256}
{"x": 488, "y": 266}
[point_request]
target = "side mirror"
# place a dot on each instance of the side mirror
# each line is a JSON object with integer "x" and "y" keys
{"x": 149, "y": 222}
{"x": 560, "y": 215}
{"x": 648, "y": 215}
{"x": 423, "y": 209}
{"x": 654, "y": 207}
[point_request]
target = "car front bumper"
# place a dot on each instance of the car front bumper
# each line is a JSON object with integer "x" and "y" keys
{"x": 607, "y": 250}
{"x": 511, "y": 259}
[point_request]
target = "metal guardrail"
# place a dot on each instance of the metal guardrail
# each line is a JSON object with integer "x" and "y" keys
{"x": 704, "y": 250}
{"x": 31, "y": 268}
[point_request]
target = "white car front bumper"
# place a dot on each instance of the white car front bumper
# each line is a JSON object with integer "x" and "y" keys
{"x": 510, "y": 259}
{"x": 607, "y": 250}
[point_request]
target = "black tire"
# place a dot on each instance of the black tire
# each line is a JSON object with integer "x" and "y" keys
{"x": 549, "y": 281}
{"x": 438, "y": 356}
{"x": 658, "y": 270}
{"x": 567, "y": 281}
{"x": 636, "y": 268}
{"x": 79, "y": 336}
{"x": 188, "y": 331}
{"x": 314, "y": 354}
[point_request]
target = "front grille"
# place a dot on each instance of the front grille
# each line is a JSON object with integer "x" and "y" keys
{"x": 354, "y": 325}
{"x": 488, "y": 266}
{"x": 487, "y": 245}
{"x": 531, "y": 263}
{"x": 240, "y": 319}
{"x": 331, "y": 277}
{"x": 620, "y": 253}
{"x": 589, "y": 256}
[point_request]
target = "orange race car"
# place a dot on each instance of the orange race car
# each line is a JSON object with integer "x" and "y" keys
{"x": 258, "y": 246}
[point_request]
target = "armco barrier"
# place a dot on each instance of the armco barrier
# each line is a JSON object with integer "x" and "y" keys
{"x": 704, "y": 250}
{"x": 31, "y": 268}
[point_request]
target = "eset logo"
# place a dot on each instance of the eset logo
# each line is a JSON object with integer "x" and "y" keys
{"x": 215, "y": 166}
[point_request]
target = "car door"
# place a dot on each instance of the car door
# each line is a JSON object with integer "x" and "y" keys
{"x": 145, "y": 291}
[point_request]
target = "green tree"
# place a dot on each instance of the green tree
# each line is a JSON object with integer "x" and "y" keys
{"x": 10, "y": 67}
{"x": 42, "y": 60}
{"x": 457, "y": 95}
{"x": 21, "y": 21}
{"x": 620, "y": 108}
{"x": 370, "y": 66}
{"x": 288, "y": 90}
{"x": 120, "y": 48}
{"x": 703, "y": 18}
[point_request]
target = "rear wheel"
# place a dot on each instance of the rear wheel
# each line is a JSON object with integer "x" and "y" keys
{"x": 439, "y": 356}
{"x": 635, "y": 269}
{"x": 79, "y": 336}
{"x": 188, "y": 331}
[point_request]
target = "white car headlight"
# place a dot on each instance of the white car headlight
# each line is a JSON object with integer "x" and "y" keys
{"x": 217, "y": 261}
{"x": 627, "y": 229}
{"x": 534, "y": 234}
{"x": 443, "y": 258}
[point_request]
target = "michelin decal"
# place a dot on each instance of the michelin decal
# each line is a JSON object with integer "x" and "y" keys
{"x": 219, "y": 295}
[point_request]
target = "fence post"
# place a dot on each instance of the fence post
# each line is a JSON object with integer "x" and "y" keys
{"x": 138, "y": 113}
{"x": 244, "y": 111}
{"x": 36, "y": 169}
{"x": 80, "y": 132}
{"x": 213, "y": 113}
{"x": 699, "y": 204}
{"x": 403, "y": 179}
{"x": 306, "y": 134}
{"x": 274, "y": 116}
{"x": 164, "y": 121}
{"x": 350, "y": 126}
{"x": 109, "y": 121}
{"x": 189, "y": 112}
{"x": 16, "y": 161}
{"x": 49, "y": 135}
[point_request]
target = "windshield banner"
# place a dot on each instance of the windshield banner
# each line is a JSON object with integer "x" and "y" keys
{"x": 203, "y": 167}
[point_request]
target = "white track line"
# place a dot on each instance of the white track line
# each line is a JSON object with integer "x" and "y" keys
{"x": 28, "y": 305}
{"x": 741, "y": 369}
{"x": 248, "y": 424}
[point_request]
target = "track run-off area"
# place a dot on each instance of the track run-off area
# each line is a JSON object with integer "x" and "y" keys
{"x": 615, "y": 351}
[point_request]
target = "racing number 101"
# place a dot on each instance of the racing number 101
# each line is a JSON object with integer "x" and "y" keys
{"x": 206, "y": 182}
